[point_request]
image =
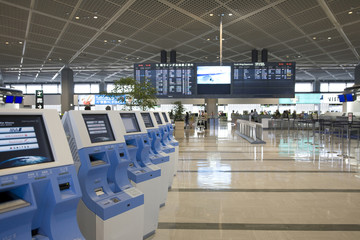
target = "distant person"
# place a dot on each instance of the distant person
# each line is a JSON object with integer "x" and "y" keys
{"x": 252, "y": 115}
{"x": 108, "y": 108}
{"x": 255, "y": 114}
{"x": 87, "y": 108}
{"x": 187, "y": 116}
{"x": 205, "y": 119}
{"x": 294, "y": 114}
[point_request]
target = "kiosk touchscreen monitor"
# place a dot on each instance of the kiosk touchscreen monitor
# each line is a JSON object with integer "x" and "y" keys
{"x": 98, "y": 127}
{"x": 165, "y": 117}
{"x": 18, "y": 99}
{"x": 130, "y": 122}
{"x": 23, "y": 141}
{"x": 158, "y": 118}
{"x": 147, "y": 120}
{"x": 9, "y": 99}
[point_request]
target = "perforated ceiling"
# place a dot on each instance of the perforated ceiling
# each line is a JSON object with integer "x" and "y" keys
{"x": 101, "y": 39}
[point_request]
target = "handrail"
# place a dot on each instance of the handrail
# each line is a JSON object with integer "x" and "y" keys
{"x": 251, "y": 131}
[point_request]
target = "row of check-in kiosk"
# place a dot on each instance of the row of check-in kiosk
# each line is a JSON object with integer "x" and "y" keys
{"x": 91, "y": 175}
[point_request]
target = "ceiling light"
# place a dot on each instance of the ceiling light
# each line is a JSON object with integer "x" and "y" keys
{"x": 60, "y": 59}
{"x": 211, "y": 14}
{"x": 105, "y": 41}
{"x": 314, "y": 38}
{"x": 350, "y": 12}
{"x": 20, "y": 42}
{"x": 77, "y": 17}
{"x": 119, "y": 40}
{"x": 299, "y": 56}
{"x": 217, "y": 57}
{"x": 49, "y": 59}
{"x": 208, "y": 39}
{"x": 95, "y": 17}
{"x": 230, "y": 14}
{"x": 223, "y": 39}
{"x": 329, "y": 38}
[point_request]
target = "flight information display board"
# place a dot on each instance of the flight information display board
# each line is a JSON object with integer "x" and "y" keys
{"x": 269, "y": 79}
{"x": 170, "y": 79}
{"x": 231, "y": 80}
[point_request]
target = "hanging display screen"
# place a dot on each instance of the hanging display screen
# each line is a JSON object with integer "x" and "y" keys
{"x": 210, "y": 80}
{"x": 23, "y": 141}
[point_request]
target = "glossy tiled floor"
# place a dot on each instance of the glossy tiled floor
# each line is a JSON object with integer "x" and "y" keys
{"x": 226, "y": 188}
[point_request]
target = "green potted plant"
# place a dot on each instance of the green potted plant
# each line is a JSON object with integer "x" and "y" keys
{"x": 178, "y": 114}
{"x": 134, "y": 93}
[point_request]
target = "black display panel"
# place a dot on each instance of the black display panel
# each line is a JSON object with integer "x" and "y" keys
{"x": 130, "y": 122}
{"x": 157, "y": 117}
{"x": 264, "y": 80}
{"x": 170, "y": 80}
{"x": 23, "y": 141}
{"x": 147, "y": 120}
{"x": 165, "y": 117}
{"x": 213, "y": 79}
{"x": 209, "y": 80}
{"x": 98, "y": 127}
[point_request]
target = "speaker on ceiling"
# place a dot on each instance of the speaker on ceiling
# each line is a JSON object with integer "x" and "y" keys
{"x": 163, "y": 56}
{"x": 254, "y": 55}
{"x": 172, "y": 56}
{"x": 264, "y": 55}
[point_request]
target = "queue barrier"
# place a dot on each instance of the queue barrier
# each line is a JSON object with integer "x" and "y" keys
{"x": 251, "y": 131}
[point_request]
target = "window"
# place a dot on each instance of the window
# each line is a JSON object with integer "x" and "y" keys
{"x": 337, "y": 87}
{"x": 31, "y": 88}
{"x": 51, "y": 88}
{"x": 94, "y": 88}
{"x": 82, "y": 88}
{"x": 324, "y": 87}
{"x": 21, "y": 87}
{"x": 109, "y": 87}
{"x": 303, "y": 87}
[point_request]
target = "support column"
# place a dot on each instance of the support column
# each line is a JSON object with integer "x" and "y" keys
{"x": 357, "y": 74}
{"x": 67, "y": 90}
{"x": 316, "y": 86}
{"x": 1, "y": 80}
{"x": 102, "y": 86}
{"x": 211, "y": 107}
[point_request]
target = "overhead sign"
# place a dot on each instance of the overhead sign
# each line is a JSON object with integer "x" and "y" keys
{"x": 39, "y": 99}
{"x": 100, "y": 100}
{"x": 330, "y": 98}
{"x": 302, "y": 98}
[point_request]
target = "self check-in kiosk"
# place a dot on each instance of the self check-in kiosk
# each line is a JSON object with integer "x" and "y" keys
{"x": 39, "y": 189}
{"x": 111, "y": 208}
{"x": 156, "y": 156}
{"x": 171, "y": 138}
{"x": 143, "y": 174}
{"x": 164, "y": 145}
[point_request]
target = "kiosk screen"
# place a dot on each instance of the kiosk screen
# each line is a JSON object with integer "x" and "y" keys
{"x": 157, "y": 117}
{"x": 99, "y": 128}
{"x": 23, "y": 141}
{"x": 147, "y": 120}
{"x": 130, "y": 122}
{"x": 165, "y": 117}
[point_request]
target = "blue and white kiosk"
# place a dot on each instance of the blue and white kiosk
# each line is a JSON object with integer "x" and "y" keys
{"x": 144, "y": 175}
{"x": 111, "y": 208}
{"x": 171, "y": 138}
{"x": 39, "y": 189}
{"x": 164, "y": 144}
{"x": 157, "y": 157}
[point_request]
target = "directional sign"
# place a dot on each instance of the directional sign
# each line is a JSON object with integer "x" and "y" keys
{"x": 39, "y": 99}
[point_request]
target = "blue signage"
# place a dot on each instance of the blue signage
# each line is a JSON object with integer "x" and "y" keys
{"x": 105, "y": 100}
{"x": 100, "y": 100}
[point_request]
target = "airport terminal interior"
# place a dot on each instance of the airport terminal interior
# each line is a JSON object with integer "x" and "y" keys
{"x": 252, "y": 130}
